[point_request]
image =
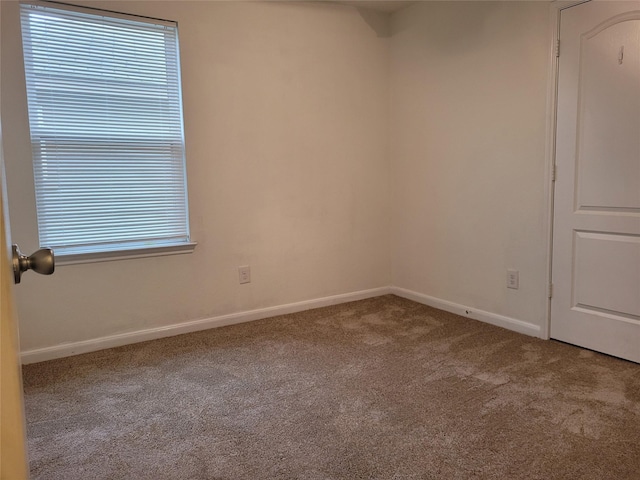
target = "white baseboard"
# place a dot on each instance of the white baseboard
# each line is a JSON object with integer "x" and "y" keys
{"x": 118, "y": 340}
{"x": 487, "y": 317}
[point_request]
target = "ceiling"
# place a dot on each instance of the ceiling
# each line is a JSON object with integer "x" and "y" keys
{"x": 386, "y": 6}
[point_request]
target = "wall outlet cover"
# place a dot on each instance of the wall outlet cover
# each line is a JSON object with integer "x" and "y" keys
{"x": 244, "y": 274}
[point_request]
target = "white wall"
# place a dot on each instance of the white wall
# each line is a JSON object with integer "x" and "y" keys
{"x": 286, "y": 125}
{"x": 468, "y": 118}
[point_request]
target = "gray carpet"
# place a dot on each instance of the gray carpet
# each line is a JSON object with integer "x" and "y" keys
{"x": 383, "y": 388}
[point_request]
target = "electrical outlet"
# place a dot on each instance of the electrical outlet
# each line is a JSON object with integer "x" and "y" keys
{"x": 244, "y": 274}
{"x": 513, "y": 279}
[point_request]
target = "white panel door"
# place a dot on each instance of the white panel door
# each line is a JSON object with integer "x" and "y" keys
{"x": 596, "y": 240}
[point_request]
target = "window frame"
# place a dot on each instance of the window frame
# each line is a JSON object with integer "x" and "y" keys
{"x": 133, "y": 248}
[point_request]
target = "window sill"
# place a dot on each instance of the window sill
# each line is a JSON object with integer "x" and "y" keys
{"x": 95, "y": 257}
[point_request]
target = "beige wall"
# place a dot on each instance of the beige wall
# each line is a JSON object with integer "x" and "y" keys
{"x": 468, "y": 118}
{"x": 286, "y": 125}
{"x": 331, "y": 160}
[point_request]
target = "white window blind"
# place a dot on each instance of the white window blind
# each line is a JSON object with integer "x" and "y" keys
{"x": 105, "y": 115}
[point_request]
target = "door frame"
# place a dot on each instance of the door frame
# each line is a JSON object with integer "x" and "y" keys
{"x": 556, "y": 8}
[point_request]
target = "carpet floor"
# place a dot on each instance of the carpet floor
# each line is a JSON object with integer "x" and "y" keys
{"x": 383, "y": 388}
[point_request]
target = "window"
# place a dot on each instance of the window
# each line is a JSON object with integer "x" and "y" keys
{"x": 105, "y": 115}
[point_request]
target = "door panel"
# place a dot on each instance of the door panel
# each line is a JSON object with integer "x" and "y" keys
{"x": 608, "y": 151}
{"x": 13, "y": 449}
{"x": 601, "y": 260}
{"x": 13, "y": 458}
{"x": 596, "y": 247}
